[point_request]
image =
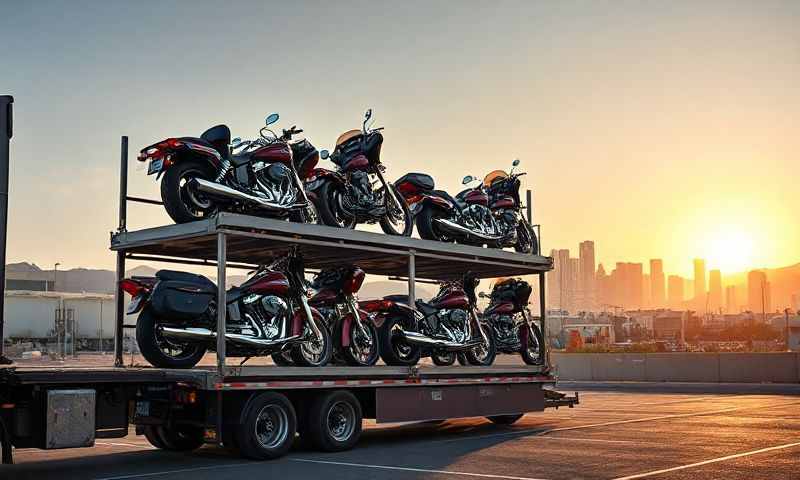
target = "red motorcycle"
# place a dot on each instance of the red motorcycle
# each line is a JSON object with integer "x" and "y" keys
{"x": 267, "y": 314}
{"x": 355, "y": 336}
{"x": 346, "y": 197}
{"x": 512, "y": 325}
{"x": 441, "y": 328}
{"x": 212, "y": 173}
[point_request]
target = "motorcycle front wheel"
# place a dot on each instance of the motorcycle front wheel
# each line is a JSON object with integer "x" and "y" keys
{"x": 309, "y": 214}
{"x": 182, "y": 201}
{"x": 484, "y": 354}
{"x": 526, "y": 239}
{"x": 532, "y": 347}
{"x": 313, "y": 352}
{"x": 363, "y": 349}
{"x": 329, "y": 208}
{"x": 397, "y": 220}
{"x": 443, "y": 358}
{"x": 161, "y": 352}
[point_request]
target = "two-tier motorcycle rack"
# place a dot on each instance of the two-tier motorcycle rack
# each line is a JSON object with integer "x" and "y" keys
{"x": 243, "y": 241}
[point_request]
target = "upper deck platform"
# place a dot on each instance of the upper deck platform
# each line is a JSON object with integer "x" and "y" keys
{"x": 255, "y": 240}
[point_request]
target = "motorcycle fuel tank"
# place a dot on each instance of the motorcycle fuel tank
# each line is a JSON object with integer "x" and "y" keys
{"x": 359, "y": 162}
{"x": 274, "y": 283}
{"x": 326, "y": 296}
{"x": 504, "y": 202}
{"x": 477, "y": 197}
{"x": 451, "y": 300}
{"x": 275, "y": 153}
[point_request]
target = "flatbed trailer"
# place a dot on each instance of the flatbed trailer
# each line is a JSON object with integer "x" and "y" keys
{"x": 257, "y": 409}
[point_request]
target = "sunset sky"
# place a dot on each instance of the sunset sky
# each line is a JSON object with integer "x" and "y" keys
{"x": 656, "y": 129}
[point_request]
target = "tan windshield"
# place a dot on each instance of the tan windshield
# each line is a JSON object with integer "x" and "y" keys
{"x": 347, "y": 136}
{"x": 493, "y": 177}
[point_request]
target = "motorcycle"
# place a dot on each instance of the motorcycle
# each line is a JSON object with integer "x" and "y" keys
{"x": 212, "y": 173}
{"x": 512, "y": 325}
{"x": 347, "y": 197}
{"x": 355, "y": 335}
{"x": 488, "y": 214}
{"x": 442, "y": 328}
{"x": 268, "y": 314}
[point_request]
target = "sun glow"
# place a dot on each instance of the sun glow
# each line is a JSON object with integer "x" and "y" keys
{"x": 729, "y": 249}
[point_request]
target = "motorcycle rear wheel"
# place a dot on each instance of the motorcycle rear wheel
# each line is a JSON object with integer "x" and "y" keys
{"x": 426, "y": 227}
{"x": 328, "y": 207}
{"x": 442, "y": 358}
{"x": 393, "y": 349}
{"x": 163, "y": 353}
{"x": 182, "y": 202}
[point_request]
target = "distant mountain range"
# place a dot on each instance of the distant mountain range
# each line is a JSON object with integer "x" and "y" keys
{"x": 80, "y": 280}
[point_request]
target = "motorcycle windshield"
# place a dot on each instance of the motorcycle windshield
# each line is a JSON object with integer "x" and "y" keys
{"x": 346, "y": 136}
{"x": 494, "y": 176}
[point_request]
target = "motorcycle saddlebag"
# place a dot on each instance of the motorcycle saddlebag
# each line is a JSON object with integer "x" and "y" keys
{"x": 514, "y": 290}
{"x": 176, "y": 300}
{"x": 421, "y": 181}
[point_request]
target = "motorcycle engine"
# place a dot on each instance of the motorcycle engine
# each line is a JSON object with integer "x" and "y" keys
{"x": 360, "y": 196}
{"x": 505, "y": 327}
{"x": 453, "y": 324}
{"x": 479, "y": 218}
{"x": 507, "y": 221}
{"x": 266, "y": 314}
{"x": 274, "y": 182}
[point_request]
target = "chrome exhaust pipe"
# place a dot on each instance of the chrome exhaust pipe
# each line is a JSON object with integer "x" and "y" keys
{"x": 204, "y": 334}
{"x": 416, "y": 338}
{"x": 456, "y": 228}
{"x": 220, "y": 190}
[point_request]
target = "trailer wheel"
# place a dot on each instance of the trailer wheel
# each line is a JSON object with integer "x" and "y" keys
{"x": 505, "y": 419}
{"x": 333, "y": 422}
{"x": 182, "y": 438}
{"x": 268, "y": 427}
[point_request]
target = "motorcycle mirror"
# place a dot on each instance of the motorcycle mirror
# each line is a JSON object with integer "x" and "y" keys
{"x": 236, "y": 142}
{"x": 467, "y": 179}
{"x": 272, "y": 118}
{"x": 483, "y": 295}
{"x": 515, "y": 162}
{"x": 368, "y": 114}
{"x": 324, "y": 154}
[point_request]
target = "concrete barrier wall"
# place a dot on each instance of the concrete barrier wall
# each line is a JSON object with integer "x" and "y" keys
{"x": 778, "y": 367}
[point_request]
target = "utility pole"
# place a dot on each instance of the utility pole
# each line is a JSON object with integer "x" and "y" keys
{"x": 6, "y": 132}
{"x": 786, "y": 330}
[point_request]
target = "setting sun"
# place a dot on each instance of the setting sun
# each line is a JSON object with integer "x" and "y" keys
{"x": 729, "y": 249}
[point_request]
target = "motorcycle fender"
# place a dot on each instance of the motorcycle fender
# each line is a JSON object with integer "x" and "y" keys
{"x": 436, "y": 202}
{"x": 299, "y": 319}
{"x": 347, "y": 323}
{"x": 137, "y": 303}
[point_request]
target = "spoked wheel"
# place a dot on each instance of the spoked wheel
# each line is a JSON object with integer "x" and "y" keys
{"x": 282, "y": 358}
{"x": 363, "y": 348}
{"x": 309, "y": 214}
{"x": 182, "y": 201}
{"x": 330, "y": 207}
{"x": 485, "y": 353}
{"x": 333, "y": 422}
{"x": 443, "y": 358}
{"x": 532, "y": 347}
{"x": 268, "y": 427}
{"x": 397, "y": 220}
{"x": 394, "y": 350}
{"x": 313, "y": 351}
{"x": 160, "y": 351}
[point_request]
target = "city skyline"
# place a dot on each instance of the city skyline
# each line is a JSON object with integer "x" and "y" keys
{"x": 582, "y": 284}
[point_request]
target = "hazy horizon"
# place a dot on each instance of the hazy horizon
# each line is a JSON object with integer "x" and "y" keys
{"x": 658, "y": 130}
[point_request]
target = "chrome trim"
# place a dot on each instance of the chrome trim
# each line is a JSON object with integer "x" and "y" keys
{"x": 219, "y": 189}
{"x": 207, "y": 335}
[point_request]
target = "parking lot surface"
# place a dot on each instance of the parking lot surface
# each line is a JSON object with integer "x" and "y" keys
{"x": 617, "y": 432}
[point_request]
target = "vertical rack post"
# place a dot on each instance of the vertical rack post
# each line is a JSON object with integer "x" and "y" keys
{"x": 222, "y": 253}
{"x": 543, "y": 316}
{"x": 412, "y": 278}
{"x": 6, "y": 131}
{"x": 119, "y": 296}
{"x": 529, "y": 206}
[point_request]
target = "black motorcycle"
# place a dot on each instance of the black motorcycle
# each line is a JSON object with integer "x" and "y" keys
{"x": 512, "y": 325}
{"x": 348, "y": 196}
{"x": 487, "y": 214}
{"x": 204, "y": 175}
{"x": 267, "y": 315}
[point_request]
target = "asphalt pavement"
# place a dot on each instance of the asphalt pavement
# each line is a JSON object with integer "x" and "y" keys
{"x": 619, "y": 431}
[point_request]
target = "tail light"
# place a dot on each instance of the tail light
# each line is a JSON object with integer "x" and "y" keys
{"x": 160, "y": 149}
{"x": 353, "y": 283}
{"x": 132, "y": 287}
{"x": 184, "y": 397}
{"x": 413, "y": 198}
{"x": 375, "y": 305}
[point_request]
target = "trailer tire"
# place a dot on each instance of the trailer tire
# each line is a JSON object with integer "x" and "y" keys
{"x": 505, "y": 419}
{"x": 152, "y": 436}
{"x": 333, "y": 423}
{"x": 182, "y": 438}
{"x": 268, "y": 427}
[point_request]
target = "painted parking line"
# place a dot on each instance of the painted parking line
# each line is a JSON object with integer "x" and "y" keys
{"x": 173, "y": 472}
{"x": 411, "y": 469}
{"x": 706, "y": 462}
{"x": 130, "y": 445}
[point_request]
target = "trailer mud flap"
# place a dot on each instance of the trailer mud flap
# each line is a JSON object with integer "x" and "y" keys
{"x": 70, "y": 418}
{"x": 435, "y": 403}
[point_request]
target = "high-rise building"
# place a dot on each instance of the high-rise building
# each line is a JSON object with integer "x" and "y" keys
{"x": 647, "y": 298}
{"x": 699, "y": 282}
{"x": 561, "y": 280}
{"x": 572, "y": 288}
{"x": 587, "y": 274}
{"x": 714, "y": 290}
{"x": 758, "y": 293}
{"x": 657, "y": 283}
{"x": 730, "y": 299}
{"x": 603, "y": 287}
{"x": 675, "y": 292}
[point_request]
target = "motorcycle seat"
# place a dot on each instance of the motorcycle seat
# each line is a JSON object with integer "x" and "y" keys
{"x": 423, "y": 306}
